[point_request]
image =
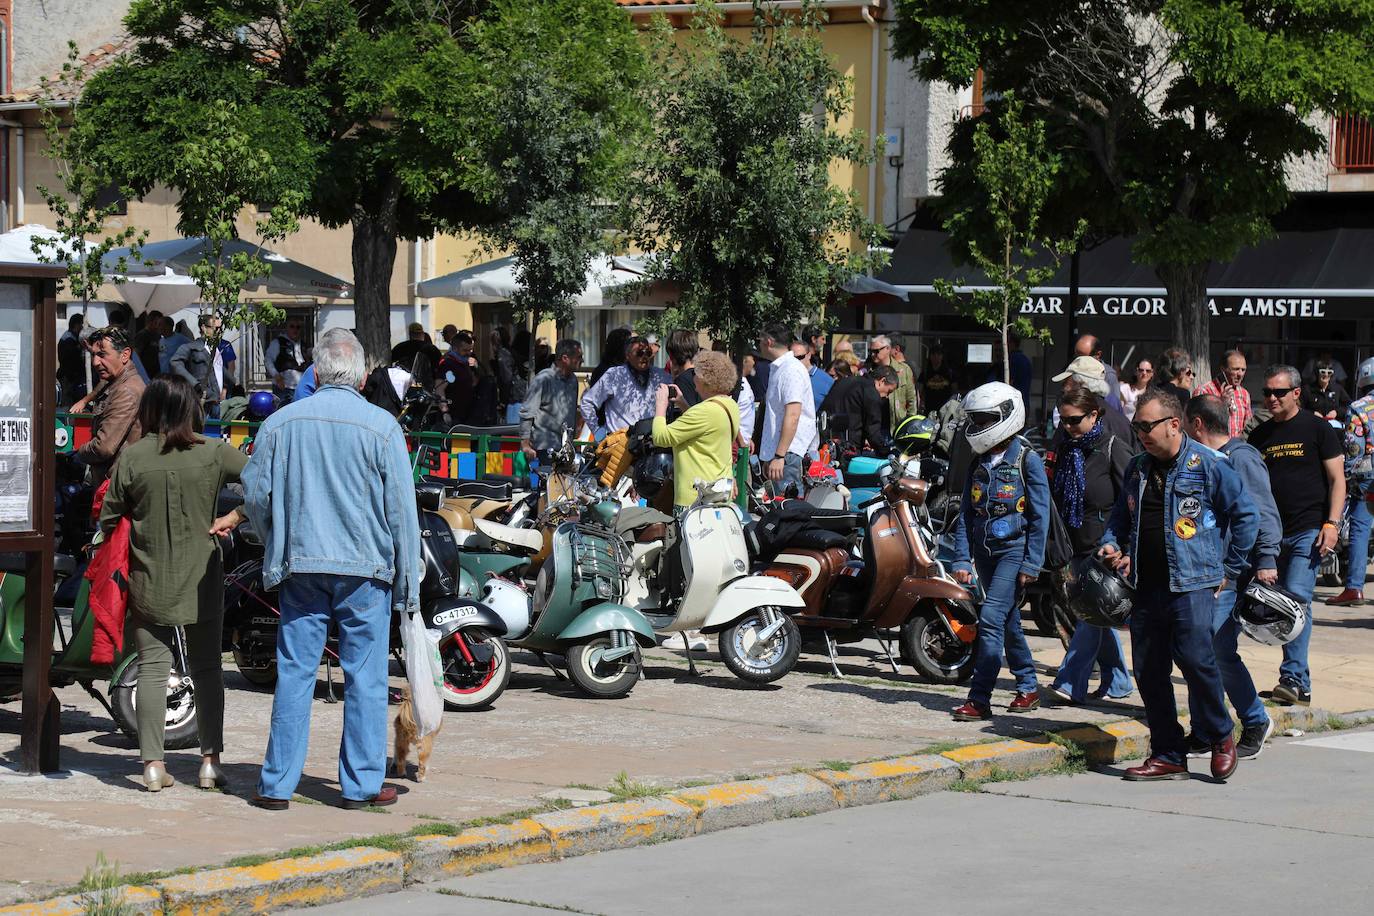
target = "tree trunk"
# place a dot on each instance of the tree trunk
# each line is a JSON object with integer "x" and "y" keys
{"x": 374, "y": 259}
{"x": 1190, "y": 320}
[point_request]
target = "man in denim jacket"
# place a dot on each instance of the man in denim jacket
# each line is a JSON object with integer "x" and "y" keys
{"x": 329, "y": 489}
{"x": 1166, "y": 537}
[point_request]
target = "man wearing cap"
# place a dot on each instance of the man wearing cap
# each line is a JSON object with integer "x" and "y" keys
{"x": 1088, "y": 345}
{"x": 404, "y": 355}
{"x": 1089, "y": 373}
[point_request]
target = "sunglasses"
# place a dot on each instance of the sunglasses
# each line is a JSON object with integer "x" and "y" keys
{"x": 1326, "y": 372}
{"x": 1187, "y": 372}
{"x": 1277, "y": 392}
{"x": 1145, "y": 427}
{"x": 1072, "y": 421}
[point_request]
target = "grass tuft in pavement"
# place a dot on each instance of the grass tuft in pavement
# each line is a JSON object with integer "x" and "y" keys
{"x": 839, "y": 766}
{"x": 623, "y": 788}
{"x": 102, "y": 890}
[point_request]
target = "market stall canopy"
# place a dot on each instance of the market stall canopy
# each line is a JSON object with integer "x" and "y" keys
{"x": 16, "y": 246}
{"x": 607, "y": 285}
{"x": 287, "y": 277}
{"x": 168, "y": 293}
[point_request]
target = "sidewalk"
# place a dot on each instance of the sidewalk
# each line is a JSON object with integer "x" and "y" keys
{"x": 541, "y": 739}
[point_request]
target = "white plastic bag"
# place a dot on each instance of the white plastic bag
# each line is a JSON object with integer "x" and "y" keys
{"x": 425, "y": 671}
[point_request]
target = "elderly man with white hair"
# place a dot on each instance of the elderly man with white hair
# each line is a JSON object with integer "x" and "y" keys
{"x": 1090, "y": 374}
{"x": 902, "y": 403}
{"x": 329, "y": 490}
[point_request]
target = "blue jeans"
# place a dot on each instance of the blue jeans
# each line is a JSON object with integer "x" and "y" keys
{"x": 791, "y": 476}
{"x": 361, "y": 608}
{"x": 1298, "y": 565}
{"x": 512, "y": 414}
{"x": 999, "y": 630}
{"x": 1360, "y": 523}
{"x": 1093, "y": 644}
{"x": 1235, "y": 677}
{"x": 1169, "y": 627}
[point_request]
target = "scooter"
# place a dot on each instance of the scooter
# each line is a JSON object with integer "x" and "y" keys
{"x": 71, "y": 657}
{"x": 891, "y": 581}
{"x": 693, "y": 574}
{"x": 578, "y": 604}
{"x": 476, "y": 662}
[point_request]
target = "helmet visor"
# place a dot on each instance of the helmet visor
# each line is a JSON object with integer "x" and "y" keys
{"x": 980, "y": 420}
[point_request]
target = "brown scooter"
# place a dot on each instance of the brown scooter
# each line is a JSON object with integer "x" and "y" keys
{"x": 898, "y": 583}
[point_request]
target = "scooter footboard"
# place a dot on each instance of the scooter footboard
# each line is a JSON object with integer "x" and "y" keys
{"x": 747, "y": 593}
{"x": 605, "y": 617}
{"x": 912, "y": 591}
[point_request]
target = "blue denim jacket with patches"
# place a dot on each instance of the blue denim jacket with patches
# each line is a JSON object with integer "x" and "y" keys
{"x": 1204, "y": 501}
{"x": 1005, "y": 510}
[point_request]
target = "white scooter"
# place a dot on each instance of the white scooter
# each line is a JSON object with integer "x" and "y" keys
{"x": 693, "y": 574}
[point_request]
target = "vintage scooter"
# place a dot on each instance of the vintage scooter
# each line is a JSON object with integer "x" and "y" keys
{"x": 693, "y": 574}
{"x": 894, "y": 581}
{"x": 71, "y": 656}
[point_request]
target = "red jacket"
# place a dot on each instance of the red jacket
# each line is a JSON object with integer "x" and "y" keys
{"x": 109, "y": 595}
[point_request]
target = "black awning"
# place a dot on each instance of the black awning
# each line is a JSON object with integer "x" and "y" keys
{"x": 1295, "y": 264}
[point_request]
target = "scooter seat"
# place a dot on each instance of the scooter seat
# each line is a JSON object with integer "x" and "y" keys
{"x": 525, "y": 539}
{"x": 637, "y": 518}
{"x": 837, "y": 520}
{"x": 655, "y": 531}
{"x": 499, "y": 490}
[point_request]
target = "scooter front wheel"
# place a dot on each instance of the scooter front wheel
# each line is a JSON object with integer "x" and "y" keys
{"x": 475, "y": 678}
{"x": 753, "y": 654}
{"x": 935, "y": 654}
{"x": 592, "y": 674}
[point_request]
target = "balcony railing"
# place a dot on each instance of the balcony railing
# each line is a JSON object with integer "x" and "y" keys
{"x": 1352, "y": 143}
{"x": 971, "y": 111}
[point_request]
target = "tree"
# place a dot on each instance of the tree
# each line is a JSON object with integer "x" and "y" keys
{"x": 385, "y": 117}
{"x": 1187, "y": 110}
{"x": 733, "y": 194}
{"x": 81, "y": 217}
{"x": 999, "y": 225}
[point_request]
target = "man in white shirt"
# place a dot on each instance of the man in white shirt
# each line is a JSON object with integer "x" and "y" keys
{"x": 789, "y": 420}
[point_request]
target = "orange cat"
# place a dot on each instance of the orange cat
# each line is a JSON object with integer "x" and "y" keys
{"x": 406, "y": 738}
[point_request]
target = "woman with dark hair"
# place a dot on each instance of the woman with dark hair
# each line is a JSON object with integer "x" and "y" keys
{"x": 1132, "y": 389}
{"x": 612, "y": 353}
{"x": 1086, "y": 473}
{"x": 1325, "y": 397}
{"x": 167, "y": 484}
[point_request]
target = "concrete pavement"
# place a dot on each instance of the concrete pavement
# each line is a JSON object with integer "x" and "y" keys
{"x": 539, "y": 740}
{"x": 1290, "y": 831}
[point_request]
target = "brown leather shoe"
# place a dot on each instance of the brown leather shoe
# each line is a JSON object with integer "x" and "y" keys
{"x": 383, "y": 798}
{"x": 1024, "y": 702}
{"x": 269, "y": 804}
{"x": 1224, "y": 759}
{"x": 1351, "y": 597}
{"x": 1155, "y": 769}
{"x": 972, "y": 711}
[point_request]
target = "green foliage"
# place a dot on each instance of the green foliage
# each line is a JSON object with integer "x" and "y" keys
{"x": 400, "y": 119}
{"x": 77, "y": 211}
{"x": 1184, "y": 111}
{"x": 102, "y": 891}
{"x": 998, "y": 223}
{"x": 733, "y": 191}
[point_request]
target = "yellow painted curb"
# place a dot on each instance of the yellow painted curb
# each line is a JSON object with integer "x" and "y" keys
{"x": 284, "y": 883}
{"x": 888, "y": 780}
{"x": 755, "y": 801}
{"x": 144, "y": 901}
{"x": 616, "y": 826}
{"x": 979, "y": 761}
{"x": 480, "y": 849}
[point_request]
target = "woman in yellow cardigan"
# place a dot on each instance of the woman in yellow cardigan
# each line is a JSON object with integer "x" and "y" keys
{"x": 702, "y": 438}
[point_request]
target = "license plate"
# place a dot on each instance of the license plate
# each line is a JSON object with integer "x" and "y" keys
{"x": 452, "y": 614}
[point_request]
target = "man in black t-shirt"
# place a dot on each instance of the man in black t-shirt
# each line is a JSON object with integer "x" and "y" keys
{"x": 1305, "y": 459}
{"x": 936, "y": 382}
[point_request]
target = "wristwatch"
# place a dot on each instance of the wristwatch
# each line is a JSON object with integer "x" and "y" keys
{"x": 782, "y": 457}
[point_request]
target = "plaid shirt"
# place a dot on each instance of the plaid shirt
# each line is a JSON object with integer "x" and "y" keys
{"x": 1237, "y": 404}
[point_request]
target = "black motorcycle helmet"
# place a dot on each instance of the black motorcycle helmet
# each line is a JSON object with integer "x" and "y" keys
{"x": 1097, "y": 594}
{"x": 652, "y": 472}
{"x": 640, "y": 438}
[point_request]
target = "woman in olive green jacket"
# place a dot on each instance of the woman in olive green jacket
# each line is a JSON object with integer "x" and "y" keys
{"x": 168, "y": 484}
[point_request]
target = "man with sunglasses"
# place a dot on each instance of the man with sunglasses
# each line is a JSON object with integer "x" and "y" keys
{"x": 1180, "y": 510}
{"x": 1306, "y": 462}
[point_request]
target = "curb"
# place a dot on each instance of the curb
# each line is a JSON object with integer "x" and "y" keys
{"x": 363, "y": 871}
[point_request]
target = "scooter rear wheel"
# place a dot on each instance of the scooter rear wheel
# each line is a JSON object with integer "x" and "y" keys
{"x": 602, "y": 680}
{"x": 760, "y": 664}
{"x": 181, "y": 708}
{"x": 474, "y": 685}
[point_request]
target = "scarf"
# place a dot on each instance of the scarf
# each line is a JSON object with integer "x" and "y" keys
{"x": 1069, "y": 483}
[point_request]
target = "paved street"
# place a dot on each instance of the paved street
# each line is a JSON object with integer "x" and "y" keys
{"x": 1290, "y": 831}
{"x": 541, "y": 738}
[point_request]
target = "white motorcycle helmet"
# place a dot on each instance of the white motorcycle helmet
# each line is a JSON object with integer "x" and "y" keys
{"x": 1270, "y": 615}
{"x": 995, "y": 414}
